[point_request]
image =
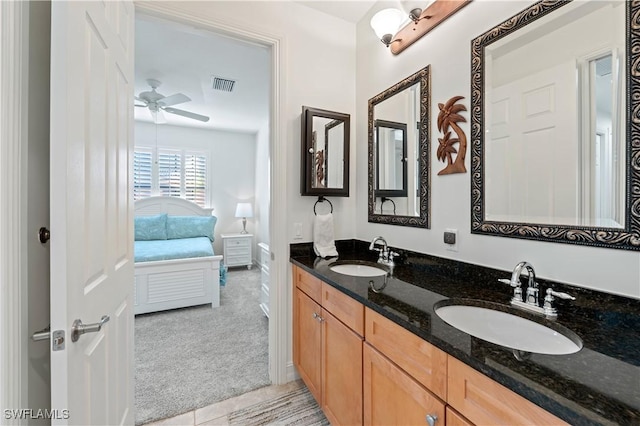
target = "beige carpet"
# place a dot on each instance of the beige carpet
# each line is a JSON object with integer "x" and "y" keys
{"x": 297, "y": 407}
{"x": 193, "y": 357}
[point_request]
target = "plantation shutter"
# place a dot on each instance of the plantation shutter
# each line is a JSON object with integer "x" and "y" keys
{"x": 169, "y": 173}
{"x": 195, "y": 177}
{"x": 142, "y": 173}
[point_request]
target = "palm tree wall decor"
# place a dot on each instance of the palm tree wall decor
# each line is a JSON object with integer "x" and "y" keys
{"x": 448, "y": 118}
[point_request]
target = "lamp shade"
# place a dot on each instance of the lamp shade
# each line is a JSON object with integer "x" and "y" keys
{"x": 387, "y": 21}
{"x": 244, "y": 210}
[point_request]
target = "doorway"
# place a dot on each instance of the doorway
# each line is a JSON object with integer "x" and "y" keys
{"x": 173, "y": 59}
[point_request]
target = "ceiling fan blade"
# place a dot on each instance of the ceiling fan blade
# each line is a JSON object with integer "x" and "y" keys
{"x": 178, "y": 98}
{"x": 137, "y": 98}
{"x": 187, "y": 114}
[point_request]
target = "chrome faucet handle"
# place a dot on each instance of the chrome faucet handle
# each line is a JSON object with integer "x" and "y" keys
{"x": 517, "y": 290}
{"x": 551, "y": 293}
{"x": 549, "y": 309}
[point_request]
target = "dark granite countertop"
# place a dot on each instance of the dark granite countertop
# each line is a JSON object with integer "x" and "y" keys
{"x": 600, "y": 384}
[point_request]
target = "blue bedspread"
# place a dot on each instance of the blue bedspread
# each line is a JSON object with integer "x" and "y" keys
{"x": 147, "y": 251}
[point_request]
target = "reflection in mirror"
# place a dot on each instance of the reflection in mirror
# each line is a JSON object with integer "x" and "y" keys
{"x": 328, "y": 145}
{"x": 399, "y": 153}
{"x": 325, "y": 153}
{"x": 552, "y": 124}
{"x": 390, "y": 139}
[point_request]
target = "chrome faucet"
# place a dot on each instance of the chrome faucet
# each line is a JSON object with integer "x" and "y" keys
{"x": 385, "y": 256}
{"x": 530, "y": 302}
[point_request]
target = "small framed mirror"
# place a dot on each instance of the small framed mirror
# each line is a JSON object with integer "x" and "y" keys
{"x": 399, "y": 153}
{"x": 325, "y": 153}
{"x": 391, "y": 158}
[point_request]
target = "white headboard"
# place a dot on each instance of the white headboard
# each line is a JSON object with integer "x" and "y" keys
{"x": 173, "y": 206}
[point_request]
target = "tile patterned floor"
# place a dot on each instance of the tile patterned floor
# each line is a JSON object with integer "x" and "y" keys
{"x": 216, "y": 414}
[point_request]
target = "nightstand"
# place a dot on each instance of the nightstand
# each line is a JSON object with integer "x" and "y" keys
{"x": 237, "y": 249}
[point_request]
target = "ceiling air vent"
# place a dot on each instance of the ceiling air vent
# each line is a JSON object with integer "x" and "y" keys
{"x": 223, "y": 84}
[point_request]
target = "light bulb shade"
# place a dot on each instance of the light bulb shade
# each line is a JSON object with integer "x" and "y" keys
{"x": 244, "y": 210}
{"x": 387, "y": 21}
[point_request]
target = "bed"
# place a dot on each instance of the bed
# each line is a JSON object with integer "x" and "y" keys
{"x": 175, "y": 265}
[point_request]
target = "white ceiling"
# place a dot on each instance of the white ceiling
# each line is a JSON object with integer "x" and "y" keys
{"x": 184, "y": 59}
{"x": 351, "y": 11}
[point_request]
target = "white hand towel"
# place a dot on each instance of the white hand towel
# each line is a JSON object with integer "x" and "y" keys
{"x": 323, "y": 242}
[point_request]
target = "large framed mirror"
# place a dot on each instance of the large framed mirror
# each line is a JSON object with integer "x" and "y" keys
{"x": 398, "y": 120}
{"x": 325, "y": 153}
{"x": 556, "y": 125}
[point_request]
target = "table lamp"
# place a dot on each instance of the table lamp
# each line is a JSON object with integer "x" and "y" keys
{"x": 244, "y": 211}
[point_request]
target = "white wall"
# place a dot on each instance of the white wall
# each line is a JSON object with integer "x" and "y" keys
{"x": 447, "y": 49}
{"x": 232, "y": 168}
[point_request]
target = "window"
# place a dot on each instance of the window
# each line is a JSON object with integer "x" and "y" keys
{"x": 170, "y": 173}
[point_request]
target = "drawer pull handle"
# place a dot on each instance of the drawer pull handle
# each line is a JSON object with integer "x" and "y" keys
{"x": 432, "y": 419}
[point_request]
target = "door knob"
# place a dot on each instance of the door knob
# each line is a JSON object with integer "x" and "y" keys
{"x": 432, "y": 419}
{"x": 78, "y": 328}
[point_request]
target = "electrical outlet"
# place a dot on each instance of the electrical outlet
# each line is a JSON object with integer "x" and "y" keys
{"x": 297, "y": 231}
{"x": 451, "y": 239}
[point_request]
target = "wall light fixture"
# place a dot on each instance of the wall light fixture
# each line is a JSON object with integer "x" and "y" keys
{"x": 386, "y": 24}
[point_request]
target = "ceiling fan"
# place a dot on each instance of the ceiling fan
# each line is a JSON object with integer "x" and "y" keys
{"x": 157, "y": 103}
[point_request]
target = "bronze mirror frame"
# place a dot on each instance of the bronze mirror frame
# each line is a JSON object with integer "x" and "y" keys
{"x": 628, "y": 237}
{"x": 424, "y": 124}
{"x": 307, "y": 168}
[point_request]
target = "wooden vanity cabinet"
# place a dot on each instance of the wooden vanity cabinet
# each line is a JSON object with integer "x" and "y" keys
{"x": 363, "y": 368}
{"x": 486, "y": 402}
{"x": 327, "y": 351}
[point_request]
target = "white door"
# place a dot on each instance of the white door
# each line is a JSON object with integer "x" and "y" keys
{"x": 91, "y": 214}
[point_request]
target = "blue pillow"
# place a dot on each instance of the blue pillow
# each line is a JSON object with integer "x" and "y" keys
{"x": 190, "y": 227}
{"x": 150, "y": 227}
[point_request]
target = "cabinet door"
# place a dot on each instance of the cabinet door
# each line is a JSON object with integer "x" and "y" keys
{"x": 342, "y": 372}
{"x": 392, "y": 397}
{"x": 455, "y": 419}
{"x": 307, "y": 341}
{"x": 484, "y": 401}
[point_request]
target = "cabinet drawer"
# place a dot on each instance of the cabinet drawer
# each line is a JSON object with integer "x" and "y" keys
{"x": 484, "y": 401}
{"x": 426, "y": 363}
{"x": 231, "y": 260}
{"x": 237, "y": 251}
{"x": 308, "y": 283}
{"x": 237, "y": 242}
{"x": 344, "y": 308}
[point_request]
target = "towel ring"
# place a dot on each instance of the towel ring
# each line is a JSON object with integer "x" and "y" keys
{"x": 320, "y": 200}
{"x": 384, "y": 200}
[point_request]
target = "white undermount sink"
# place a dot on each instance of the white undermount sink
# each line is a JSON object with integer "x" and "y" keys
{"x": 358, "y": 269}
{"x": 509, "y": 330}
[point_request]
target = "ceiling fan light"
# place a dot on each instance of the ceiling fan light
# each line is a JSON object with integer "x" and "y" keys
{"x": 386, "y": 23}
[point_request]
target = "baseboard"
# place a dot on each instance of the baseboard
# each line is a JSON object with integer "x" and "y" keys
{"x": 292, "y": 374}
